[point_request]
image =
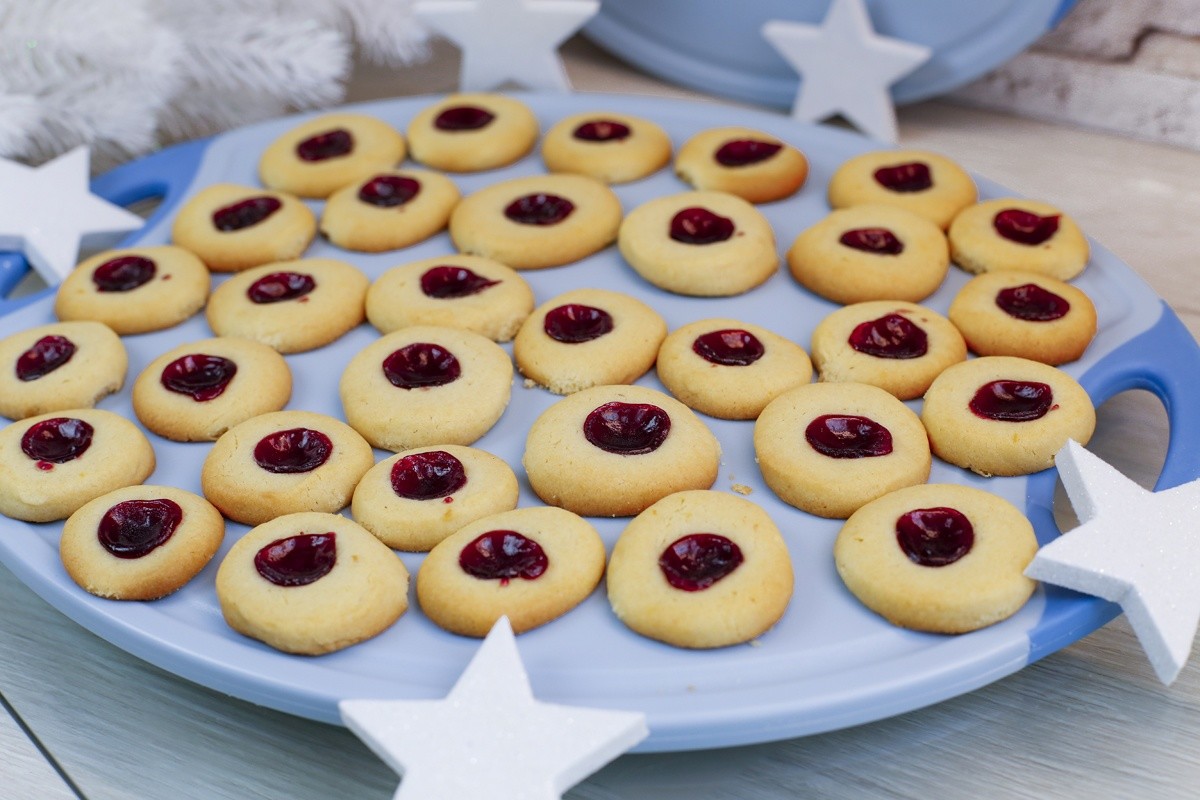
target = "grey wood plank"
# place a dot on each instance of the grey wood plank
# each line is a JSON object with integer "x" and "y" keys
{"x": 25, "y": 770}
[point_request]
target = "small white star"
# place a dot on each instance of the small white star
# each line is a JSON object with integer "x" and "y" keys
{"x": 846, "y": 67}
{"x": 1137, "y": 548}
{"x": 490, "y": 737}
{"x": 46, "y": 211}
{"x": 508, "y": 40}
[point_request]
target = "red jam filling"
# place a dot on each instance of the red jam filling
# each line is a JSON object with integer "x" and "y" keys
{"x": 450, "y": 283}
{"x": 297, "y": 560}
{"x": 47, "y": 354}
{"x": 502, "y": 556}
{"x": 890, "y": 336}
{"x": 428, "y": 476}
{"x": 245, "y": 213}
{"x": 539, "y": 209}
{"x": 323, "y": 146}
{"x": 291, "y": 451}
{"x": 698, "y": 560}
{"x": 1012, "y": 401}
{"x": 389, "y": 191}
{"x": 848, "y": 436}
{"x": 1025, "y": 227}
{"x": 873, "y": 240}
{"x": 575, "y": 323}
{"x": 602, "y": 130}
{"x": 743, "y": 152}
{"x": 202, "y": 377}
{"x": 700, "y": 226}
{"x": 421, "y": 364}
{"x": 905, "y": 178}
{"x": 934, "y": 537}
{"x": 1032, "y": 303}
{"x": 627, "y": 429}
{"x": 123, "y": 274}
{"x": 134, "y": 528}
{"x": 279, "y": 286}
{"x": 731, "y": 347}
{"x": 57, "y": 440}
{"x": 463, "y": 118}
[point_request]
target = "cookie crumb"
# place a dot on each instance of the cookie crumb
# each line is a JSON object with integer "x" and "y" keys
{"x": 529, "y": 383}
{"x": 741, "y": 488}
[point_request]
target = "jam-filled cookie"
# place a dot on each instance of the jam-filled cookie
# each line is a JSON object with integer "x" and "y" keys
{"x": 942, "y": 558}
{"x": 753, "y": 165}
{"x": 457, "y": 291}
{"x": 136, "y": 289}
{"x": 322, "y": 155}
{"x": 1001, "y": 415}
{"x": 705, "y": 244}
{"x": 389, "y": 210}
{"x": 140, "y": 542}
{"x": 532, "y": 565}
{"x": 1014, "y": 313}
{"x": 829, "y": 448}
{"x": 610, "y": 147}
{"x": 311, "y": 583}
{"x": 426, "y": 385}
{"x": 612, "y": 451}
{"x": 700, "y": 569}
{"x": 1013, "y": 233}
{"x": 730, "y": 369}
{"x": 416, "y": 498}
{"x": 927, "y": 184}
{"x": 233, "y": 227}
{"x": 197, "y": 391}
{"x": 57, "y": 366}
{"x": 537, "y": 221}
{"x": 588, "y": 337}
{"x": 897, "y": 346}
{"x": 52, "y": 464}
{"x": 293, "y": 306}
{"x": 870, "y": 252}
{"x": 284, "y": 462}
{"x": 472, "y": 132}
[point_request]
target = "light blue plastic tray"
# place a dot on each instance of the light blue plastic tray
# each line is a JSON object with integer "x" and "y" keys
{"x": 829, "y": 663}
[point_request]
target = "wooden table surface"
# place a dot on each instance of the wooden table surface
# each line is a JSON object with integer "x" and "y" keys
{"x": 84, "y": 718}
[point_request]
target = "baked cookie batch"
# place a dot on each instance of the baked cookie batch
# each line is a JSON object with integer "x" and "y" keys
{"x": 694, "y": 568}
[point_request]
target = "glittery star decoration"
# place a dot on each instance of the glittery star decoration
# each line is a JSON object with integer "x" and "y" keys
{"x": 845, "y": 67}
{"x": 490, "y": 737}
{"x": 46, "y": 211}
{"x": 1137, "y": 548}
{"x": 508, "y": 40}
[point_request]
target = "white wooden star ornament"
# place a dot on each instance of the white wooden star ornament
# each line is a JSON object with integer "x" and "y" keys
{"x": 489, "y": 737}
{"x": 845, "y": 67}
{"x": 46, "y": 211}
{"x": 508, "y": 40}
{"x": 1137, "y": 548}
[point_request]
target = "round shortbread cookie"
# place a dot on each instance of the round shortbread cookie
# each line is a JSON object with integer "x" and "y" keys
{"x": 924, "y": 183}
{"x": 455, "y": 291}
{"x": 1016, "y": 234}
{"x": 751, "y": 164}
{"x": 197, "y": 391}
{"x": 52, "y": 464}
{"x": 612, "y": 451}
{"x": 942, "y": 558}
{"x": 610, "y": 147}
{"x": 426, "y": 385}
{"x": 730, "y": 369}
{"x": 57, "y": 366}
{"x": 472, "y": 132}
{"x": 136, "y": 289}
{"x": 140, "y": 542}
{"x": 537, "y": 221}
{"x": 389, "y": 210}
{"x": 322, "y": 155}
{"x": 1000, "y": 415}
{"x": 897, "y": 346}
{"x": 311, "y": 583}
{"x": 1024, "y": 314}
{"x": 700, "y": 569}
{"x": 829, "y": 448}
{"x": 233, "y": 227}
{"x": 292, "y": 306}
{"x": 531, "y": 565}
{"x": 588, "y": 337}
{"x": 870, "y": 252}
{"x": 284, "y": 462}
{"x": 704, "y": 244}
{"x": 416, "y": 498}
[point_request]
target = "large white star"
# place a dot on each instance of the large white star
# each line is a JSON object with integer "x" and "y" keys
{"x": 46, "y": 211}
{"x": 1137, "y": 548}
{"x": 846, "y": 68}
{"x": 490, "y": 737}
{"x": 508, "y": 40}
